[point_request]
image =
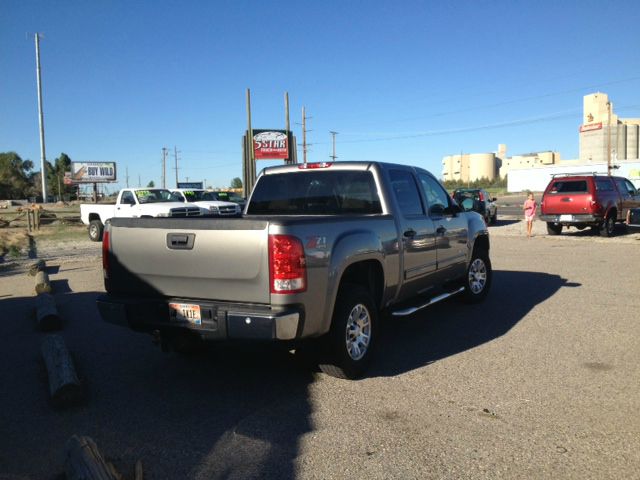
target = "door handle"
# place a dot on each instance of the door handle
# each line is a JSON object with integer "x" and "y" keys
{"x": 410, "y": 233}
{"x": 180, "y": 241}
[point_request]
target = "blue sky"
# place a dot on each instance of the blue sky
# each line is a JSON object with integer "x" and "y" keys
{"x": 404, "y": 82}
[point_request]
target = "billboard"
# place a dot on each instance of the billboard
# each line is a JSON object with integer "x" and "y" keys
{"x": 270, "y": 144}
{"x": 93, "y": 172}
{"x": 196, "y": 185}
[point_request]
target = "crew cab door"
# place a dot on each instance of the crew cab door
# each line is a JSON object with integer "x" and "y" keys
{"x": 417, "y": 234}
{"x": 451, "y": 228}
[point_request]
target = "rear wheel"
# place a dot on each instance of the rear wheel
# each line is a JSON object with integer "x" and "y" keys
{"x": 554, "y": 228}
{"x": 478, "y": 278}
{"x": 607, "y": 229}
{"x": 347, "y": 348}
{"x": 494, "y": 219}
{"x": 95, "y": 230}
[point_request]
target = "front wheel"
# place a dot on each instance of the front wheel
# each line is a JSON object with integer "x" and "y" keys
{"x": 554, "y": 228}
{"x": 95, "y": 230}
{"x": 478, "y": 278}
{"x": 347, "y": 348}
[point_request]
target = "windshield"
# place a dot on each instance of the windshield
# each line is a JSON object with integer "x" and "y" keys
{"x": 316, "y": 193}
{"x": 195, "y": 195}
{"x": 224, "y": 196}
{"x": 155, "y": 196}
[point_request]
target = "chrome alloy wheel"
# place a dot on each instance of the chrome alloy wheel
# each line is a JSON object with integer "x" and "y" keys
{"x": 358, "y": 332}
{"x": 477, "y": 276}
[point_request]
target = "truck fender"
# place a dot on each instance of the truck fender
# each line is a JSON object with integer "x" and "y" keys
{"x": 343, "y": 256}
{"x": 477, "y": 229}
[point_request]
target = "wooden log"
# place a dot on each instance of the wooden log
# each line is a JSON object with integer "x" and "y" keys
{"x": 39, "y": 266}
{"x": 42, "y": 282}
{"x": 139, "y": 472}
{"x": 47, "y": 313}
{"x": 64, "y": 386}
{"x": 85, "y": 462}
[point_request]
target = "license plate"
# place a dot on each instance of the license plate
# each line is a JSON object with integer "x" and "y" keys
{"x": 185, "y": 312}
{"x": 566, "y": 218}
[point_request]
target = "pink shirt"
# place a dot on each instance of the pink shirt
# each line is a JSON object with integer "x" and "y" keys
{"x": 530, "y": 207}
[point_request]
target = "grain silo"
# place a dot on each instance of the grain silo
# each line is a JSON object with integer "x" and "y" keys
{"x": 632, "y": 142}
{"x": 482, "y": 165}
{"x": 621, "y": 148}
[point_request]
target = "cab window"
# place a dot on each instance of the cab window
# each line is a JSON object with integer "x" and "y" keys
{"x": 437, "y": 198}
{"x": 127, "y": 198}
{"x": 406, "y": 192}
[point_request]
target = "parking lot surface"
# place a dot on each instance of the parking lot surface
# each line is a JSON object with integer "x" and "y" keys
{"x": 542, "y": 380}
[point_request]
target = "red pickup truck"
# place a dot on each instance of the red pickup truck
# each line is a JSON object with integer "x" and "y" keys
{"x": 587, "y": 200}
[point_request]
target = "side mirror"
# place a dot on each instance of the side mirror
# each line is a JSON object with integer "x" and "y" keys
{"x": 494, "y": 199}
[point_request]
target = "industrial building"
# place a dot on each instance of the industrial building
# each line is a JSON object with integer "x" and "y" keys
{"x": 605, "y": 139}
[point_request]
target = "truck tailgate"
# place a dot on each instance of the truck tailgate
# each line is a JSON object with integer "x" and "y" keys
{"x": 217, "y": 259}
{"x": 571, "y": 203}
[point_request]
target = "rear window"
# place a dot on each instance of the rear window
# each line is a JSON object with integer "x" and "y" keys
{"x": 604, "y": 185}
{"x": 569, "y": 186}
{"x": 461, "y": 195}
{"x": 315, "y": 193}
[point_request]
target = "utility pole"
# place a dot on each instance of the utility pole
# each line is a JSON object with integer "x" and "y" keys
{"x": 139, "y": 181}
{"x": 175, "y": 154}
{"x": 164, "y": 167}
{"x": 333, "y": 139}
{"x": 127, "y": 176}
{"x": 609, "y": 138}
{"x": 43, "y": 174}
{"x": 304, "y": 135}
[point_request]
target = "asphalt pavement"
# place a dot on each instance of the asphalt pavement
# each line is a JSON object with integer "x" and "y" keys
{"x": 542, "y": 380}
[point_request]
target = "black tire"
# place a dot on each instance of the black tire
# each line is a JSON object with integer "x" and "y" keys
{"x": 95, "y": 230}
{"x": 477, "y": 280}
{"x": 554, "y": 228}
{"x": 347, "y": 349}
{"x": 494, "y": 219}
{"x": 608, "y": 227}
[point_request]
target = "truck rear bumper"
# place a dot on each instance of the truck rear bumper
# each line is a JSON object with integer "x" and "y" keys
{"x": 218, "y": 321}
{"x": 570, "y": 219}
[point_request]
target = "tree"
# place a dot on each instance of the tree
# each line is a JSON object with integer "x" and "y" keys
{"x": 151, "y": 184}
{"x": 15, "y": 176}
{"x": 236, "y": 183}
{"x": 55, "y": 176}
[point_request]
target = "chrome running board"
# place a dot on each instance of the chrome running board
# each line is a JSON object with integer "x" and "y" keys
{"x": 408, "y": 311}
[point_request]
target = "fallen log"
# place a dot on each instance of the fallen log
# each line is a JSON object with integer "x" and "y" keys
{"x": 64, "y": 386}
{"x": 85, "y": 462}
{"x": 47, "y": 313}
{"x": 42, "y": 282}
{"x": 39, "y": 266}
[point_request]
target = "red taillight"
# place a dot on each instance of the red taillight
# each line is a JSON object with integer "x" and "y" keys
{"x": 304, "y": 166}
{"x": 105, "y": 254}
{"x": 481, "y": 197}
{"x": 287, "y": 265}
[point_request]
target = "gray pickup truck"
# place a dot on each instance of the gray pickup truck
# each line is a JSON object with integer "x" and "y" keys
{"x": 322, "y": 251}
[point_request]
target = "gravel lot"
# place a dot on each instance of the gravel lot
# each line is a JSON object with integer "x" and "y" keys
{"x": 540, "y": 381}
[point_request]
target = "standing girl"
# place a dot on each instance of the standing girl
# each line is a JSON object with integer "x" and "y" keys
{"x": 530, "y": 206}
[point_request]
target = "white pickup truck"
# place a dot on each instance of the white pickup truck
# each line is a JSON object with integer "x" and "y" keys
{"x": 208, "y": 203}
{"x": 135, "y": 203}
